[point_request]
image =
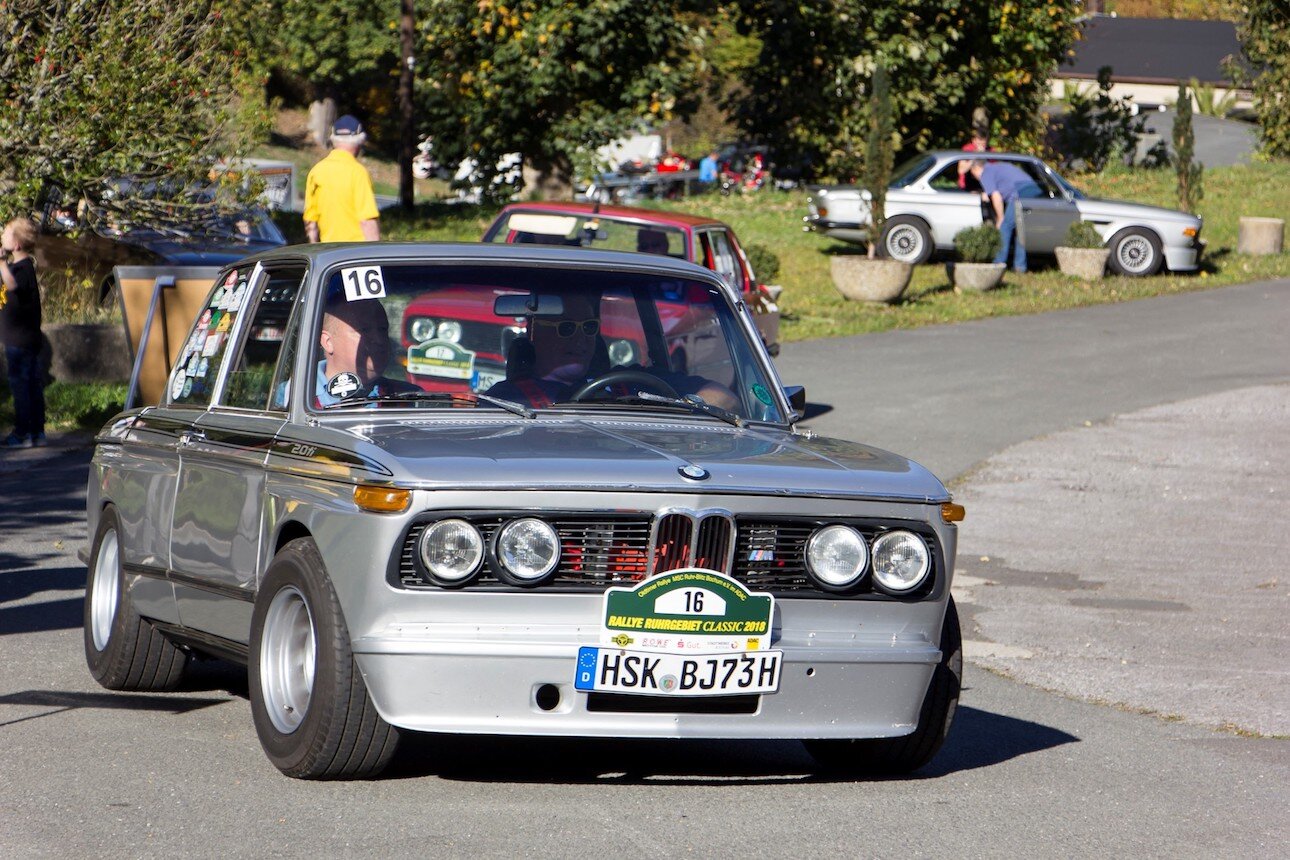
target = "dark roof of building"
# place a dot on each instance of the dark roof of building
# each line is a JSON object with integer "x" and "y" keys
{"x": 1154, "y": 50}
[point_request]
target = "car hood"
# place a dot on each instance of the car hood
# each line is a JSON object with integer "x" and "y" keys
{"x": 1100, "y": 207}
{"x": 584, "y": 454}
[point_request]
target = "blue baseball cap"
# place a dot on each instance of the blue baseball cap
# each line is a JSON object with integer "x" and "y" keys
{"x": 348, "y": 127}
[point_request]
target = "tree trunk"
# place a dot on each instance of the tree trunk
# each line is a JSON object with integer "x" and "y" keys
{"x": 547, "y": 179}
{"x": 322, "y": 116}
{"x": 407, "y": 134}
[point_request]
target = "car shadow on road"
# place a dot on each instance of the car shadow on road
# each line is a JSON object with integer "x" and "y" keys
{"x": 978, "y": 739}
{"x": 53, "y": 702}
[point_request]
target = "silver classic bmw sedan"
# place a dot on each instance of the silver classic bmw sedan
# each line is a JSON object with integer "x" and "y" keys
{"x": 514, "y": 490}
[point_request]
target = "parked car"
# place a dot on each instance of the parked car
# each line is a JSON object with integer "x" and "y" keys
{"x": 706, "y": 241}
{"x": 88, "y": 243}
{"x": 650, "y": 554}
{"x": 926, "y": 208}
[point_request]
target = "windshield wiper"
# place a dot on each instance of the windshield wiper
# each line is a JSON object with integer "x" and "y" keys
{"x": 439, "y": 396}
{"x": 692, "y": 402}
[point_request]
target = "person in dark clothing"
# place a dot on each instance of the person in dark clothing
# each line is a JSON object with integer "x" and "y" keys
{"x": 20, "y": 332}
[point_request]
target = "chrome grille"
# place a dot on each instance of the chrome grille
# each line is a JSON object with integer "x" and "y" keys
{"x": 600, "y": 550}
{"x": 672, "y": 542}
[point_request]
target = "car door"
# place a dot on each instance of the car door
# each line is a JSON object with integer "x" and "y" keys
{"x": 1043, "y": 221}
{"x": 219, "y": 501}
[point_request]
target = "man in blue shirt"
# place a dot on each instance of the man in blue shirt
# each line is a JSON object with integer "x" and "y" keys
{"x": 1003, "y": 184}
{"x": 708, "y": 169}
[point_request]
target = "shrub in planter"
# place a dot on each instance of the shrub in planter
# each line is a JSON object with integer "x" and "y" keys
{"x": 1083, "y": 254}
{"x": 977, "y": 244}
{"x": 976, "y": 269}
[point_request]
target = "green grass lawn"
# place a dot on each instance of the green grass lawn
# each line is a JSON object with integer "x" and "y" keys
{"x": 813, "y": 308}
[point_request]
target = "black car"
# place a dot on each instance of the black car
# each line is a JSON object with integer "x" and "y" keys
{"x": 86, "y": 243}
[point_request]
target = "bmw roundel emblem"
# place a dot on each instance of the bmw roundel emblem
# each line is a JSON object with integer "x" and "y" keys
{"x": 696, "y": 473}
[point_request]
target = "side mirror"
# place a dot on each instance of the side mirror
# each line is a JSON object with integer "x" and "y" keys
{"x": 796, "y": 395}
{"x": 528, "y": 305}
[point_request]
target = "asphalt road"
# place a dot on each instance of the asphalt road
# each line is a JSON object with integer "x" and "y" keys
{"x": 1026, "y": 771}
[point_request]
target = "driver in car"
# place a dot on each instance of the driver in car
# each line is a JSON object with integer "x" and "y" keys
{"x": 564, "y": 348}
{"x": 354, "y": 345}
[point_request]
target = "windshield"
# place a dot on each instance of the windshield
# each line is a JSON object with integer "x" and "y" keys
{"x": 1070, "y": 189}
{"x": 910, "y": 170}
{"x": 252, "y": 225}
{"x": 587, "y": 230}
{"x": 433, "y": 336}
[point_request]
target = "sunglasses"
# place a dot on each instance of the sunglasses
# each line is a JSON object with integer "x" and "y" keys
{"x": 567, "y": 328}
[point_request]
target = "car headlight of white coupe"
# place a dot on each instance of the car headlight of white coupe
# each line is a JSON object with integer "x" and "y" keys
{"x": 528, "y": 549}
{"x": 901, "y": 561}
{"x": 451, "y": 551}
{"x": 837, "y": 556}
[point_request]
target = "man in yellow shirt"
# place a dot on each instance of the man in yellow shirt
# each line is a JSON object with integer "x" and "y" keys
{"x": 339, "y": 204}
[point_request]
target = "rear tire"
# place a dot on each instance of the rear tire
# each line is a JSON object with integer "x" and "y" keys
{"x": 122, "y": 650}
{"x": 907, "y": 239}
{"x": 311, "y": 708}
{"x": 893, "y": 756}
{"x": 1135, "y": 252}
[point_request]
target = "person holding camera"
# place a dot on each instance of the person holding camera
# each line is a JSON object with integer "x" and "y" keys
{"x": 20, "y": 332}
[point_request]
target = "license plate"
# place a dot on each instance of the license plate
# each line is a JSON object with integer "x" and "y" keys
{"x": 653, "y": 674}
{"x": 485, "y": 380}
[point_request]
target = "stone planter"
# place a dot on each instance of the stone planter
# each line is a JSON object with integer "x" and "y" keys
{"x": 1086, "y": 263}
{"x": 975, "y": 277}
{"x": 860, "y": 279}
{"x": 1260, "y": 236}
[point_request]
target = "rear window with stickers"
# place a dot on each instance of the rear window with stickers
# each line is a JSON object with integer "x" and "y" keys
{"x": 192, "y": 382}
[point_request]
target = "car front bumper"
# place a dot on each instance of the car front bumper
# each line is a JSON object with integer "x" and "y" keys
{"x": 1184, "y": 258}
{"x": 859, "y": 679}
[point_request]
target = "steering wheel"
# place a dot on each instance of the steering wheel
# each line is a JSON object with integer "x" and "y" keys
{"x": 637, "y": 377}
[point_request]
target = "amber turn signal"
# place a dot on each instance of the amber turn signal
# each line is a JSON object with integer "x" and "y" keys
{"x": 953, "y": 513}
{"x": 1190, "y": 231}
{"x": 382, "y": 500}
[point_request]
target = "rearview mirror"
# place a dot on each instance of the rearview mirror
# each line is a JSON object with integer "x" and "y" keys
{"x": 528, "y": 305}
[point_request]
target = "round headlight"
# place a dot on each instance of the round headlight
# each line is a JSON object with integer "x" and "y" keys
{"x": 451, "y": 551}
{"x": 837, "y": 556}
{"x": 450, "y": 330}
{"x": 622, "y": 352}
{"x": 901, "y": 561}
{"x": 421, "y": 329}
{"x": 528, "y": 549}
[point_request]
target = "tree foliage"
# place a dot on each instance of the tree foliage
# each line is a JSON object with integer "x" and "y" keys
{"x": 1189, "y": 171}
{"x": 1265, "y": 36}
{"x": 550, "y": 79}
{"x": 946, "y": 57}
{"x": 1099, "y": 127}
{"x": 94, "y": 93}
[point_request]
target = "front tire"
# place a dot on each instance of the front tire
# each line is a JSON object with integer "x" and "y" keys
{"x": 893, "y": 756}
{"x": 311, "y": 708}
{"x": 906, "y": 239}
{"x": 1136, "y": 252}
{"x": 123, "y": 650}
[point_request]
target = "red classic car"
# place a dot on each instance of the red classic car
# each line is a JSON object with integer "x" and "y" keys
{"x": 706, "y": 241}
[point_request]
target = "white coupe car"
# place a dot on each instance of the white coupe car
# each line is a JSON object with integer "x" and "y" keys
{"x": 926, "y": 208}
